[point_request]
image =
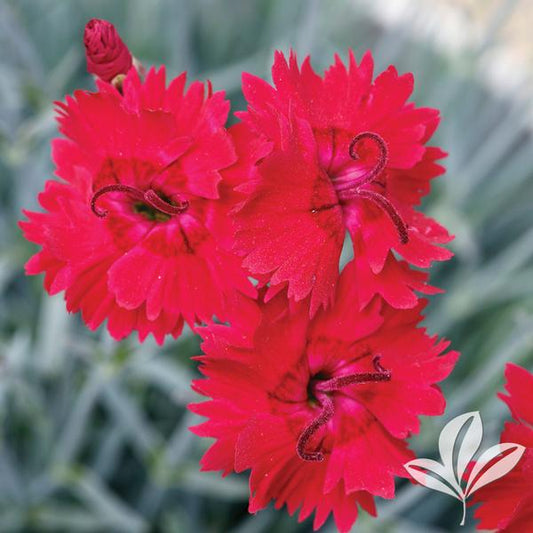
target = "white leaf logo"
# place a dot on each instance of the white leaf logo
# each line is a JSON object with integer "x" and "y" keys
{"x": 458, "y": 442}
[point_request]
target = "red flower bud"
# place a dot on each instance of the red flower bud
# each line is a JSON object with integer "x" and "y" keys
{"x": 107, "y": 55}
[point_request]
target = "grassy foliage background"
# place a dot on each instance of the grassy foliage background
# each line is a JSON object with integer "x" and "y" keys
{"x": 93, "y": 433}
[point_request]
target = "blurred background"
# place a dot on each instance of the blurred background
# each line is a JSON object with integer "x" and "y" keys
{"x": 93, "y": 433}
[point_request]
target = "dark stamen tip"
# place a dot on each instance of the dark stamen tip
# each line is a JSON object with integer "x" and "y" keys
{"x": 377, "y": 364}
{"x": 390, "y": 210}
{"x": 155, "y": 201}
{"x": 310, "y": 456}
{"x": 101, "y": 213}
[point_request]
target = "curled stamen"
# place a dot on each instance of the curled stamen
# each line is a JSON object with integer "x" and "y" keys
{"x": 155, "y": 201}
{"x": 378, "y": 366}
{"x": 354, "y": 189}
{"x": 333, "y": 384}
{"x": 321, "y": 389}
{"x": 343, "y": 381}
{"x": 391, "y": 211}
{"x": 381, "y": 163}
{"x": 150, "y": 197}
{"x": 323, "y": 418}
{"x": 117, "y": 187}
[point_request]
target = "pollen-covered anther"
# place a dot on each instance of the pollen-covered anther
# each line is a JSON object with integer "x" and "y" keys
{"x": 321, "y": 392}
{"x": 149, "y": 197}
{"x": 354, "y": 189}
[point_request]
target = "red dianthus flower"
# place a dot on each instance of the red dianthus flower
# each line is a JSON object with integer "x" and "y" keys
{"x": 347, "y": 154}
{"x": 319, "y": 409}
{"x": 508, "y": 502}
{"x": 136, "y": 231}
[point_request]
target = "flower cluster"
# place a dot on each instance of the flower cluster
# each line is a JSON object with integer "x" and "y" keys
{"x": 316, "y": 374}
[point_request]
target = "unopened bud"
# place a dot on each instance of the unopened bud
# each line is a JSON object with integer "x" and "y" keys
{"x": 107, "y": 55}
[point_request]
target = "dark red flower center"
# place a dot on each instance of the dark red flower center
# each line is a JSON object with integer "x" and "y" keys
{"x": 321, "y": 391}
{"x": 149, "y": 203}
{"x": 351, "y": 185}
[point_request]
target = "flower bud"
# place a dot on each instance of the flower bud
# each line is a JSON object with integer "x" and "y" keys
{"x": 107, "y": 55}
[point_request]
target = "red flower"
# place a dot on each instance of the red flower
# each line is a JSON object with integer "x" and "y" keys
{"x": 348, "y": 153}
{"x": 319, "y": 410}
{"x": 107, "y": 55}
{"x": 508, "y": 502}
{"x": 136, "y": 231}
